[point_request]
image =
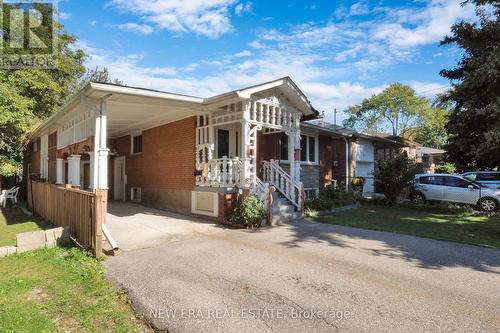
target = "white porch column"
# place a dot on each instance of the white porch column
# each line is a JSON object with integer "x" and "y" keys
{"x": 291, "y": 152}
{"x": 100, "y": 160}
{"x": 296, "y": 174}
{"x": 44, "y": 157}
{"x": 91, "y": 180}
{"x": 59, "y": 171}
{"x": 245, "y": 130}
{"x": 74, "y": 170}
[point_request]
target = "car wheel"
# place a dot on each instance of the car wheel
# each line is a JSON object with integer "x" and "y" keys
{"x": 488, "y": 204}
{"x": 418, "y": 198}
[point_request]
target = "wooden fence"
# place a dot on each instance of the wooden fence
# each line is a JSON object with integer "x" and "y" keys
{"x": 84, "y": 212}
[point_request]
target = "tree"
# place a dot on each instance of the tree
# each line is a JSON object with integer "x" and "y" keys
{"x": 100, "y": 75}
{"x": 474, "y": 122}
{"x": 395, "y": 109}
{"x": 393, "y": 174}
{"x": 28, "y": 96}
{"x": 432, "y": 131}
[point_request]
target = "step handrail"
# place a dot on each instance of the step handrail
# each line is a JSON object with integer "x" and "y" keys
{"x": 279, "y": 178}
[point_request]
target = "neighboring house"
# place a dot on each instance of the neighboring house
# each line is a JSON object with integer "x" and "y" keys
{"x": 429, "y": 157}
{"x": 337, "y": 145}
{"x": 181, "y": 153}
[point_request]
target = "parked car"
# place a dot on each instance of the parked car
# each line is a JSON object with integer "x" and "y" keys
{"x": 453, "y": 188}
{"x": 486, "y": 178}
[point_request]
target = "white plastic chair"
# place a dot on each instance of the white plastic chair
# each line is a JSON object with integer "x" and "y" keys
{"x": 9, "y": 194}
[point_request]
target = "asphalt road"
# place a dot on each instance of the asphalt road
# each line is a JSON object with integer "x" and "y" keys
{"x": 311, "y": 277}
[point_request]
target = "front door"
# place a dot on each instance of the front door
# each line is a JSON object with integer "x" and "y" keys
{"x": 222, "y": 143}
{"x": 119, "y": 179}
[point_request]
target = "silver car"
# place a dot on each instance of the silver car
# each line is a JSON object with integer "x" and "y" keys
{"x": 486, "y": 178}
{"x": 456, "y": 189}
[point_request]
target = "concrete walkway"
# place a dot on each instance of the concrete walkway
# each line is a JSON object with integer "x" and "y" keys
{"x": 135, "y": 227}
{"x": 311, "y": 277}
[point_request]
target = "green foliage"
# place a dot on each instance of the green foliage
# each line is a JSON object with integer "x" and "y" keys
{"x": 59, "y": 290}
{"x": 250, "y": 212}
{"x": 100, "y": 75}
{"x": 474, "y": 123}
{"x": 29, "y": 96}
{"x": 396, "y": 108}
{"x": 452, "y": 225}
{"x": 445, "y": 168}
{"x": 432, "y": 131}
{"x": 393, "y": 174}
{"x": 331, "y": 197}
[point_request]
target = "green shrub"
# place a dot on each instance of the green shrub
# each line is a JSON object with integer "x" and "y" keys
{"x": 331, "y": 197}
{"x": 394, "y": 174}
{"x": 250, "y": 212}
{"x": 445, "y": 168}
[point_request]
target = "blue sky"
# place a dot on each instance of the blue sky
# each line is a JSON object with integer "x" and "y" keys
{"x": 338, "y": 52}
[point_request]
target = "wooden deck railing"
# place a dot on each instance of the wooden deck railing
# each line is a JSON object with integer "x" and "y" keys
{"x": 82, "y": 211}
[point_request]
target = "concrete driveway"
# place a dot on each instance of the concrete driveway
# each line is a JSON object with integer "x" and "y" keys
{"x": 135, "y": 226}
{"x": 311, "y": 277}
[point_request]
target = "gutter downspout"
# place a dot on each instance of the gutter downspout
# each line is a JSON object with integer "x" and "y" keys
{"x": 109, "y": 238}
{"x": 346, "y": 164}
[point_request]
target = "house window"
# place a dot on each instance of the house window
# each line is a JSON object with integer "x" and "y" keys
{"x": 311, "y": 153}
{"x": 311, "y": 192}
{"x": 35, "y": 146}
{"x": 303, "y": 148}
{"x": 135, "y": 193}
{"x": 308, "y": 149}
{"x": 136, "y": 144}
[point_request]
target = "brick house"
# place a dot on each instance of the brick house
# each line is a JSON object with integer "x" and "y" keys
{"x": 181, "y": 153}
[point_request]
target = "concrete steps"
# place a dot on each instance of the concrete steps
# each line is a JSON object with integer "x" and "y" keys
{"x": 283, "y": 211}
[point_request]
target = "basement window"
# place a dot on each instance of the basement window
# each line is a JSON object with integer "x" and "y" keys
{"x": 137, "y": 144}
{"x": 135, "y": 194}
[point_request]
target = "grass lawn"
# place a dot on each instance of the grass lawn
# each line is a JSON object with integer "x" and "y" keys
{"x": 467, "y": 228}
{"x": 14, "y": 221}
{"x": 60, "y": 290}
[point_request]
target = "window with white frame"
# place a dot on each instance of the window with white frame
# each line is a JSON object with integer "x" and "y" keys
{"x": 136, "y": 144}
{"x": 308, "y": 149}
{"x": 135, "y": 193}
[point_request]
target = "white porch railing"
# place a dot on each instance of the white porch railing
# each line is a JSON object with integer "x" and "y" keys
{"x": 221, "y": 172}
{"x": 275, "y": 175}
{"x": 261, "y": 191}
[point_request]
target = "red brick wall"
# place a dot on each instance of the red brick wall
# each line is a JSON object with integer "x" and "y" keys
{"x": 338, "y": 154}
{"x": 267, "y": 148}
{"x": 167, "y": 160}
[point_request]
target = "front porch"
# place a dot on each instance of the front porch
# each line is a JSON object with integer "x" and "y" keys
{"x": 227, "y": 148}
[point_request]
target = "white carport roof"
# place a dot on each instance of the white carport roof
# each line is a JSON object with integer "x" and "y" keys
{"x": 134, "y": 109}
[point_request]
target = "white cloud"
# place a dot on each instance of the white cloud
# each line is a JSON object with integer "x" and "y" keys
{"x": 359, "y": 8}
{"x": 420, "y": 27}
{"x": 208, "y": 18}
{"x": 92, "y": 23}
{"x": 245, "y": 53}
{"x": 139, "y": 28}
{"x": 242, "y": 8}
{"x": 64, "y": 16}
{"x": 427, "y": 89}
{"x": 322, "y": 58}
{"x": 191, "y": 67}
